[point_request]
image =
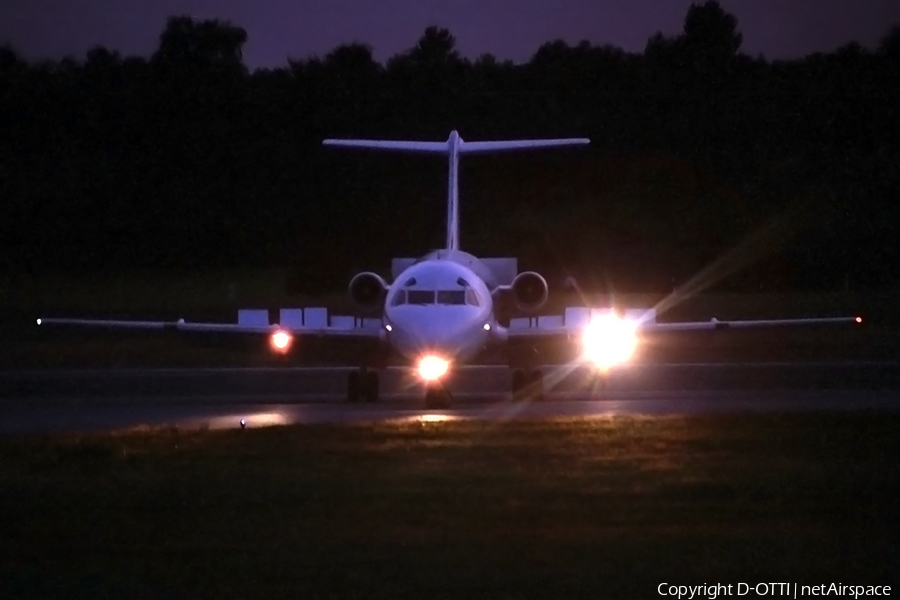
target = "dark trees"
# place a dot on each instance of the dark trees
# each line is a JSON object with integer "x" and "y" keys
{"x": 187, "y": 158}
{"x": 201, "y": 45}
{"x": 710, "y": 34}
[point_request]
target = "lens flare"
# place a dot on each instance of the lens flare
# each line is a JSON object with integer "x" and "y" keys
{"x": 432, "y": 368}
{"x": 609, "y": 341}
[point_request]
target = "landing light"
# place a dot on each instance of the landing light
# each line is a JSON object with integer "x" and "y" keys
{"x": 388, "y": 327}
{"x": 432, "y": 368}
{"x": 609, "y": 341}
{"x": 487, "y": 326}
{"x": 38, "y": 321}
{"x": 858, "y": 320}
{"x": 280, "y": 341}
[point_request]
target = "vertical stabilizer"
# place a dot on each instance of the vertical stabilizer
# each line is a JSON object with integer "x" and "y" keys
{"x": 453, "y": 147}
{"x": 453, "y": 144}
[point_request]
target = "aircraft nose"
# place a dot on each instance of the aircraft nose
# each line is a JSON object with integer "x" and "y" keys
{"x": 442, "y": 336}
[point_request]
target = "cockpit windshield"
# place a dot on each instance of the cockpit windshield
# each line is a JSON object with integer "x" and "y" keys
{"x": 399, "y": 298}
{"x": 420, "y": 297}
{"x": 451, "y": 297}
{"x": 443, "y": 297}
{"x": 472, "y": 297}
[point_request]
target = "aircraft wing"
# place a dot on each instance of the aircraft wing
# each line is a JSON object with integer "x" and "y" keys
{"x": 576, "y": 319}
{"x": 300, "y": 322}
{"x": 607, "y": 339}
{"x": 545, "y": 326}
{"x": 713, "y": 324}
{"x": 182, "y": 325}
{"x": 539, "y": 331}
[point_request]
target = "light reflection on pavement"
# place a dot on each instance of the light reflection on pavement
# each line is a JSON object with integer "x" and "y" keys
{"x": 101, "y": 400}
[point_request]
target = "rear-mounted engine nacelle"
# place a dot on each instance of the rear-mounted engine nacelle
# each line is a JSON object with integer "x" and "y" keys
{"x": 367, "y": 290}
{"x": 530, "y": 291}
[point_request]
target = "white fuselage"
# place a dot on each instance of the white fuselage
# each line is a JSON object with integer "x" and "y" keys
{"x": 438, "y": 308}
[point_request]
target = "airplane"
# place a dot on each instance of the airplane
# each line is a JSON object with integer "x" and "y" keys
{"x": 439, "y": 312}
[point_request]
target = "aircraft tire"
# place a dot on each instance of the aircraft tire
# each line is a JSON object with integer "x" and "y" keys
{"x": 354, "y": 387}
{"x": 371, "y": 386}
{"x": 436, "y": 397}
{"x": 518, "y": 382}
{"x": 535, "y": 380}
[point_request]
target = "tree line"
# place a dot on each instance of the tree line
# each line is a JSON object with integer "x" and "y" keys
{"x": 785, "y": 172}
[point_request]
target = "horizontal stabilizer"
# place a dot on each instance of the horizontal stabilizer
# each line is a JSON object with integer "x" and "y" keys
{"x": 462, "y": 146}
{"x": 453, "y": 148}
{"x": 472, "y": 147}
{"x": 438, "y": 147}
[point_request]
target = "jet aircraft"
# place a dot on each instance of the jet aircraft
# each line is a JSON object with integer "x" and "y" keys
{"x": 439, "y": 311}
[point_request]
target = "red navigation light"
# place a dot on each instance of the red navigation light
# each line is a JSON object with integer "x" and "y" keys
{"x": 281, "y": 342}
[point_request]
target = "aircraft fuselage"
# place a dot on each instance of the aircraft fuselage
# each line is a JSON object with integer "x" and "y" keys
{"x": 440, "y": 306}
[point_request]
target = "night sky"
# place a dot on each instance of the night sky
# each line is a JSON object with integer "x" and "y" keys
{"x": 509, "y": 29}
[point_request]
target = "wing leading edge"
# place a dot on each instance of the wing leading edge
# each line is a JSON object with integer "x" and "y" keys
{"x": 608, "y": 340}
{"x": 714, "y": 324}
{"x": 238, "y": 328}
{"x": 644, "y": 321}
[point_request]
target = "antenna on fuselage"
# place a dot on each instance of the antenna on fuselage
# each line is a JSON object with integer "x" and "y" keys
{"x": 453, "y": 147}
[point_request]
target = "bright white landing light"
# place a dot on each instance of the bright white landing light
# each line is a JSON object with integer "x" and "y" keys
{"x": 609, "y": 341}
{"x": 280, "y": 341}
{"x": 432, "y": 368}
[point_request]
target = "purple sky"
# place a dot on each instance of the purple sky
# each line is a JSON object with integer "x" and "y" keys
{"x": 509, "y": 29}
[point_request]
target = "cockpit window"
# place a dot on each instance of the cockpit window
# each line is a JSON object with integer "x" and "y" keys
{"x": 399, "y": 298}
{"x": 445, "y": 297}
{"x": 420, "y": 296}
{"x": 472, "y": 297}
{"x": 451, "y": 297}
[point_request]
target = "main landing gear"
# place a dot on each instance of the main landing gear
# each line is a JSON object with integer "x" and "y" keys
{"x": 362, "y": 386}
{"x": 528, "y": 384}
{"x": 437, "y": 396}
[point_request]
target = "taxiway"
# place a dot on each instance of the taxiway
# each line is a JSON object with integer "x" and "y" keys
{"x": 52, "y": 401}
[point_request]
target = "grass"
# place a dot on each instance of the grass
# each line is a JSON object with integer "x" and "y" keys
{"x": 608, "y": 507}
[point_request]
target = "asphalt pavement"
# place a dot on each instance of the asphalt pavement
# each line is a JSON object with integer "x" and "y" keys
{"x": 92, "y": 400}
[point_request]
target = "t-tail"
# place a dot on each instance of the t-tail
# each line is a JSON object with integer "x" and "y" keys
{"x": 453, "y": 147}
